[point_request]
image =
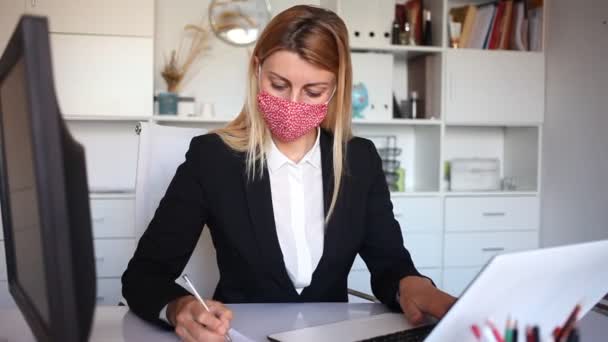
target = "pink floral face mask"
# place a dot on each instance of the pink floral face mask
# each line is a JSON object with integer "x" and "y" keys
{"x": 288, "y": 120}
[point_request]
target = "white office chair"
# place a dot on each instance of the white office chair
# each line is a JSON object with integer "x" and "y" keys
{"x": 161, "y": 150}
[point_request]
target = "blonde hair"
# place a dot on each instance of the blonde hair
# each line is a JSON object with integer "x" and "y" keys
{"x": 319, "y": 37}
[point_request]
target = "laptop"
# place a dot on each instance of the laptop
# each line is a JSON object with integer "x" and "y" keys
{"x": 539, "y": 287}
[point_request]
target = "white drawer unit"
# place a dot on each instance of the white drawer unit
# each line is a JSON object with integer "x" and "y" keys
{"x": 113, "y": 218}
{"x": 456, "y": 280}
{"x": 417, "y": 213}
{"x": 424, "y": 248}
{"x": 476, "y": 249}
{"x": 109, "y": 291}
{"x": 6, "y": 300}
{"x": 112, "y": 256}
{"x": 3, "y": 275}
{"x": 491, "y": 213}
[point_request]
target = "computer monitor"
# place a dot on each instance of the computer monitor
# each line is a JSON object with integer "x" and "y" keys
{"x": 43, "y": 194}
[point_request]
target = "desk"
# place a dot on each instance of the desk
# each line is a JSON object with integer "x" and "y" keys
{"x": 256, "y": 321}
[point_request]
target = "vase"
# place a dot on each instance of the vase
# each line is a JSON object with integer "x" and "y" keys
{"x": 167, "y": 103}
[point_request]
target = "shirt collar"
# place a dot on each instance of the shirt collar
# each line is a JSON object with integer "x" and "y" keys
{"x": 276, "y": 159}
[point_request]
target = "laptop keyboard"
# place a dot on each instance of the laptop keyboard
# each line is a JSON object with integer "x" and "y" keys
{"x": 410, "y": 335}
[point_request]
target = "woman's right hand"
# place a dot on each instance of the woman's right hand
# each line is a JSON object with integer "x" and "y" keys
{"x": 195, "y": 324}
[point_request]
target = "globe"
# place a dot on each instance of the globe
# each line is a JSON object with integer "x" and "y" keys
{"x": 360, "y": 100}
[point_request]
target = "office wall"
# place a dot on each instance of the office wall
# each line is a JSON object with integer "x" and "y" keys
{"x": 10, "y": 11}
{"x": 220, "y": 79}
{"x": 575, "y": 156}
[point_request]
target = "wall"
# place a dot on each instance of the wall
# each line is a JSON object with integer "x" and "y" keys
{"x": 221, "y": 77}
{"x": 575, "y": 156}
{"x": 10, "y": 12}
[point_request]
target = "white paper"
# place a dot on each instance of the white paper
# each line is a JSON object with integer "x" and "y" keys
{"x": 238, "y": 337}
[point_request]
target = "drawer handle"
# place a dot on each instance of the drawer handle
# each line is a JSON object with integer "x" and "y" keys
{"x": 99, "y": 220}
{"x": 99, "y": 259}
{"x": 494, "y": 214}
{"x": 100, "y": 298}
{"x": 493, "y": 249}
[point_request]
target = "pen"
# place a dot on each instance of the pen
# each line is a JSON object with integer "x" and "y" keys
{"x": 556, "y": 332}
{"x": 200, "y": 299}
{"x": 569, "y": 324}
{"x": 487, "y": 335}
{"x": 529, "y": 336}
{"x": 476, "y": 331}
{"x": 508, "y": 331}
{"x": 573, "y": 337}
{"x": 536, "y": 333}
{"x": 495, "y": 331}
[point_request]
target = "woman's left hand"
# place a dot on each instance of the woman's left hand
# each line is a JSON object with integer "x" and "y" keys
{"x": 418, "y": 297}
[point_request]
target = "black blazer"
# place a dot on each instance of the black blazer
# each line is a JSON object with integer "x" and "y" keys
{"x": 211, "y": 188}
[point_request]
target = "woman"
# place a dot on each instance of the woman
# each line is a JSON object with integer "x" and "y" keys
{"x": 289, "y": 196}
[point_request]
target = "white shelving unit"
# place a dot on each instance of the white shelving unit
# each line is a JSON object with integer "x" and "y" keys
{"x": 487, "y": 104}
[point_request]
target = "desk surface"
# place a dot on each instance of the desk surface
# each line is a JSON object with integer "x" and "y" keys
{"x": 255, "y": 321}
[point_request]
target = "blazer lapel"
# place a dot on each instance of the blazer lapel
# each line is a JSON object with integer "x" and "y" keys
{"x": 327, "y": 169}
{"x": 259, "y": 199}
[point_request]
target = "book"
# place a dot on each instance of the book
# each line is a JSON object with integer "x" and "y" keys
{"x": 494, "y": 39}
{"x": 414, "y": 15}
{"x": 519, "y": 36}
{"x": 505, "y": 31}
{"x": 535, "y": 24}
{"x": 482, "y": 25}
{"x": 467, "y": 28}
{"x": 464, "y": 15}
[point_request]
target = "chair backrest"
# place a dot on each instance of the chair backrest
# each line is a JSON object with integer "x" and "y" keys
{"x": 161, "y": 151}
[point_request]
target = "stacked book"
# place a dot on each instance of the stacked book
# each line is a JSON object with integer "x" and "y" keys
{"x": 499, "y": 25}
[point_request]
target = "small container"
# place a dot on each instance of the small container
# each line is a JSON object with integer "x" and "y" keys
{"x": 167, "y": 103}
{"x": 208, "y": 111}
{"x": 405, "y": 109}
{"x": 396, "y": 31}
{"x": 414, "y": 101}
{"x": 428, "y": 31}
{"x": 405, "y": 37}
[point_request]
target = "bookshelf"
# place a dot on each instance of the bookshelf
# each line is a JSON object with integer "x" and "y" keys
{"x": 486, "y": 104}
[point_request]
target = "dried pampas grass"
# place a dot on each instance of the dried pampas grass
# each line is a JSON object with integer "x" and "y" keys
{"x": 180, "y": 62}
